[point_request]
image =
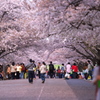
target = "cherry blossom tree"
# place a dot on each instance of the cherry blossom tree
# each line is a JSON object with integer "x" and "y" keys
{"x": 48, "y": 26}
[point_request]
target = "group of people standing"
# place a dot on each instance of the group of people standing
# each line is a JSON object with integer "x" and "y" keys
{"x": 68, "y": 71}
{"x": 13, "y": 71}
{"x": 41, "y": 70}
{"x": 16, "y": 71}
{"x": 71, "y": 71}
{"x": 20, "y": 71}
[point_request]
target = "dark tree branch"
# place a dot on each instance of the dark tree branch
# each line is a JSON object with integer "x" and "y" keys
{"x": 6, "y": 53}
{"x": 4, "y": 13}
{"x": 86, "y": 50}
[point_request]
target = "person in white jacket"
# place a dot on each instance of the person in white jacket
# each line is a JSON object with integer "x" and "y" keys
{"x": 68, "y": 70}
{"x": 43, "y": 71}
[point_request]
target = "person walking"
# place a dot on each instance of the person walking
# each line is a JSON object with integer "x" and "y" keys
{"x": 43, "y": 71}
{"x": 51, "y": 70}
{"x": 96, "y": 79}
{"x": 30, "y": 68}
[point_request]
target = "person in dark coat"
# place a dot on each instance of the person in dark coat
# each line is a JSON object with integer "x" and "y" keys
{"x": 51, "y": 70}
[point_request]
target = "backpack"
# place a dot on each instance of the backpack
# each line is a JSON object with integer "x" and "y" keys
{"x": 62, "y": 68}
{"x": 51, "y": 67}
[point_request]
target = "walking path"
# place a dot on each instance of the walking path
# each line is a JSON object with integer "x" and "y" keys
{"x": 83, "y": 89}
{"x": 52, "y": 89}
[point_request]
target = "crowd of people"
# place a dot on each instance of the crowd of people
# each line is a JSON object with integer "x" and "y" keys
{"x": 21, "y": 71}
{"x": 42, "y": 70}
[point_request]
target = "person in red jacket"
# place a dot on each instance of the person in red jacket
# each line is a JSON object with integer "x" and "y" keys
{"x": 75, "y": 70}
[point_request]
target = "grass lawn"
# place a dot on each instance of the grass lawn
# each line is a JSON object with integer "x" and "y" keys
{"x": 56, "y": 66}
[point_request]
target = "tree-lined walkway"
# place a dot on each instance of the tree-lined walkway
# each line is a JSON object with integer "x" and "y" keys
{"x": 52, "y": 89}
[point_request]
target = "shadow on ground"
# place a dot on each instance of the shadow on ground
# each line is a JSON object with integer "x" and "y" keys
{"x": 84, "y": 90}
